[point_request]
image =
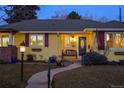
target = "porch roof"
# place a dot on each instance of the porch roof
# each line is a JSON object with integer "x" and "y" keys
{"x": 61, "y": 25}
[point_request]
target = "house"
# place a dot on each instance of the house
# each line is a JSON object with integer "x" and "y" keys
{"x": 65, "y": 38}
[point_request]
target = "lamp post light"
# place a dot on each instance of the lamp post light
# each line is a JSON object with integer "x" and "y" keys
{"x": 22, "y": 50}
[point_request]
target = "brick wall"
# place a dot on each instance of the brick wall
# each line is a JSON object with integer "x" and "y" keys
{"x": 7, "y": 52}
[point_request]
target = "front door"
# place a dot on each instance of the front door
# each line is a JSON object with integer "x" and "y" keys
{"x": 82, "y": 45}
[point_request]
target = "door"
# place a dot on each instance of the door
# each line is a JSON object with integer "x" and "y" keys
{"x": 82, "y": 45}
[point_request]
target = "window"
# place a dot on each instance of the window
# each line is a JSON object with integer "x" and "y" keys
{"x": 36, "y": 40}
{"x": 4, "y": 41}
{"x": 115, "y": 40}
{"x": 109, "y": 40}
{"x": 67, "y": 41}
{"x": 70, "y": 41}
{"x": 119, "y": 40}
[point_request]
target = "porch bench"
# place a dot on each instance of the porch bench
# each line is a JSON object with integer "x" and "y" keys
{"x": 69, "y": 52}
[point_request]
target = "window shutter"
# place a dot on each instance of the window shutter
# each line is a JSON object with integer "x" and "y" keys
{"x": 100, "y": 40}
{"x": 46, "y": 40}
{"x": 27, "y": 39}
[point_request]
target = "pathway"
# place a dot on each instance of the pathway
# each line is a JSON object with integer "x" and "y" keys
{"x": 39, "y": 80}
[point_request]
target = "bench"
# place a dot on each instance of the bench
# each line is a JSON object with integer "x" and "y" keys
{"x": 69, "y": 52}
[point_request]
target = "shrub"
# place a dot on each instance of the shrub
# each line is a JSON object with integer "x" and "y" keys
{"x": 94, "y": 58}
{"x": 30, "y": 57}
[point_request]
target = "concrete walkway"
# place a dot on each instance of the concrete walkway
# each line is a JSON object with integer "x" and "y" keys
{"x": 39, "y": 80}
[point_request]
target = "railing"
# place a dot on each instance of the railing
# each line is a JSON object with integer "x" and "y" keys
{"x": 7, "y": 52}
{"x": 69, "y": 52}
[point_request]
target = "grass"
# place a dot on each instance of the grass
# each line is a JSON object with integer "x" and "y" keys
{"x": 94, "y": 76}
{"x": 10, "y": 74}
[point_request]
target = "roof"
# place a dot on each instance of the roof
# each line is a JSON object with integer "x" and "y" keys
{"x": 60, "y": 25}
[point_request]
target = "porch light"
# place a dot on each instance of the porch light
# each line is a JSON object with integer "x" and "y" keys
{"x": 73, "y": 39}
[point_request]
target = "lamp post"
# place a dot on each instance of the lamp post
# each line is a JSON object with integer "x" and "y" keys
{"x": 22, "y": 50}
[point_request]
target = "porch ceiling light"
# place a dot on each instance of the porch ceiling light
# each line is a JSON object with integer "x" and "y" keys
{"x": 73, "y": 39}
{"x": 22, "y": 47}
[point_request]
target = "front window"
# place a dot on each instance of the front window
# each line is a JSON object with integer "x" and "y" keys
{"x": 109, "y": 40}
{"x": 67, "y": 41}
{"x": 36, "y": 40}
{"x": 70, "y": 41}
{"x": 4, "y": 41}
{"x": 115, "y": 40}
{"x": 119, "y": 40}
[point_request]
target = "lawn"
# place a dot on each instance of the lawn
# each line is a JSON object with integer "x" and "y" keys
{"x": 95, "y": 76}
{"x": 10, "y": 74}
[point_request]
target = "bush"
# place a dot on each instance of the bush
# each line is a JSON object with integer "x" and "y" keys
{"x": 29, "y": 57}
{"x": 94, "y": 58}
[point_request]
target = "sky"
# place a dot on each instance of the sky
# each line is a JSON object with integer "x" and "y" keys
{"x": 111, "y": 12}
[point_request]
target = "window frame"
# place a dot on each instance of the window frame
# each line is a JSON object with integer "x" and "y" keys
{"x": 36, "y": 45}
{"x": 113, "y": 47}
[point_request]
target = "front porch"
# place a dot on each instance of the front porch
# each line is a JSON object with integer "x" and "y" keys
{"x": 74, "y": 44}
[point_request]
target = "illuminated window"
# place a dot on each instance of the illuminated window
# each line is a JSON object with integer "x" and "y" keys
{"x": 36, "y": 40}
{"x": 67, "y": 41}
{"x": 4, "y": 41}
{"x": 109, "y": 40}
{"x": 70, "y": 41}
{"x": 115, "y": 40}
{"x": 40, "y": 40}
{"x": 119, "y": 40}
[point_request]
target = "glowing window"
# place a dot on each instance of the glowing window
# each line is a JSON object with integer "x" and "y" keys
{"x": 36, "y": 40}
{"x": 109, "y": 40}
{"x": 119, "y": 40}
{"x": 67, "y": 41}
{"x": 4, "y": 41}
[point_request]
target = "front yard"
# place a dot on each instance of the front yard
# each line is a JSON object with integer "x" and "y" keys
{"x": 10, "y": 73}
{"x": 94, "y": 76}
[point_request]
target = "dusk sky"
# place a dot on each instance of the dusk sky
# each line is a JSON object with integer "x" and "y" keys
{"x": 111, "y": 12}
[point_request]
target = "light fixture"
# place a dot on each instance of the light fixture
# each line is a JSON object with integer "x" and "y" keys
{"x": 22, "y": 47}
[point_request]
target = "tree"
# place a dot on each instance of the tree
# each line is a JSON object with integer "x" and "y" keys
{"x": 73, "y": 15}
{"x": 17, "y": 13}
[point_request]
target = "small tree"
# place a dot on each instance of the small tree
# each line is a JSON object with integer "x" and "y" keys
{"x": 73, "y": 15}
